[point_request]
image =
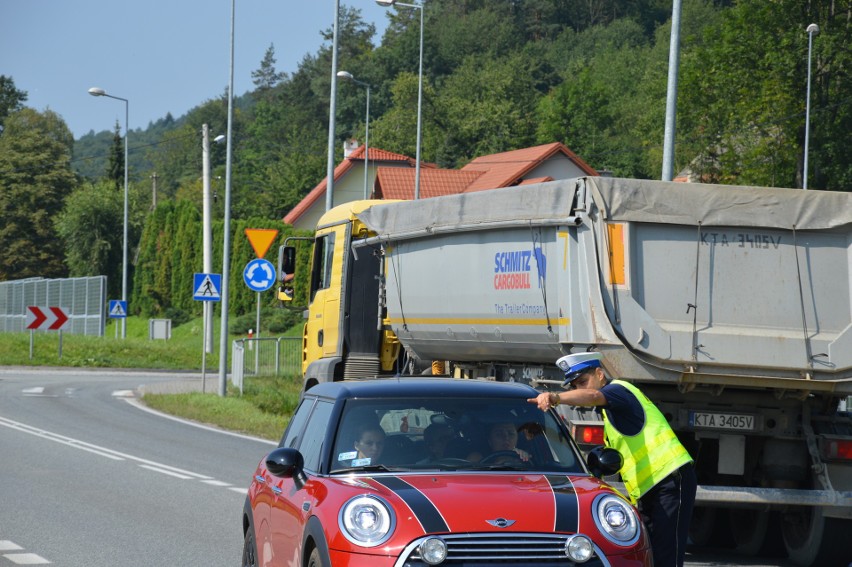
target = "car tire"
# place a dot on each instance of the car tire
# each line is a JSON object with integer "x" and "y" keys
{"x": 249, "y": 549}
{"x": 315, "y": 560}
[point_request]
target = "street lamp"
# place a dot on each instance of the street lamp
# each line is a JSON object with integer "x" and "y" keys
{"x": 332, "y": 109}
{"x": 95, "y": 91}
{"x": 226, "y": 241}
{"x": 387, "y": 3}
{"x": 348, "y": 76}
{"x": 812, "y": 30}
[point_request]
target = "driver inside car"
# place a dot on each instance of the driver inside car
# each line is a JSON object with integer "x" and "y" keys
{"x": 502, "y": 441}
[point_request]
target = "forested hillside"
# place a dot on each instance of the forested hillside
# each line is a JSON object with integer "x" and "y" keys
{"x": 498, "y": 75}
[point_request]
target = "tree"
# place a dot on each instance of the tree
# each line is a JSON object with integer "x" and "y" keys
{"x": 91, "y": 227}
{"x": 11, "y": 99}
{"x": 115, "y": 165}
{"x": 35, "y": 179}
{"x": 266, "y": 77}
{"x": 743, "y": 96}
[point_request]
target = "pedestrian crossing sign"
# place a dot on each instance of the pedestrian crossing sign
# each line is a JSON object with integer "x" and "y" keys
{"x": 206, "y": 287}
{"x": 117, "y": 309}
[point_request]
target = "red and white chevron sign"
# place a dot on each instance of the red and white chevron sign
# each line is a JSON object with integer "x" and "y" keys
{"x": 46, "y": 318}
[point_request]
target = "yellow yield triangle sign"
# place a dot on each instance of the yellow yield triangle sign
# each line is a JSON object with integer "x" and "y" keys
{"x": 261, "y": 239}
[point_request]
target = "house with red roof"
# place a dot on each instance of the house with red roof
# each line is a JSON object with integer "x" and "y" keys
{"x": 391, "y": 176}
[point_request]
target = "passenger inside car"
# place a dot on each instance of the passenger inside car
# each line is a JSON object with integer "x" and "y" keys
{"x": 436, "y": 438}
{"x": 369, "y": 443}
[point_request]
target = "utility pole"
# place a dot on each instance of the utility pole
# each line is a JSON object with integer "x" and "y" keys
{"x": 207, "y": 236}
{"x": 154, "y": 190}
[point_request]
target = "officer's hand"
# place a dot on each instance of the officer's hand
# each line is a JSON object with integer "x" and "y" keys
{"x": 542, "y": 401}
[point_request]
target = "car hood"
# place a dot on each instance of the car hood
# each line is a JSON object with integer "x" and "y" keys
{"x": 441, "y": 503}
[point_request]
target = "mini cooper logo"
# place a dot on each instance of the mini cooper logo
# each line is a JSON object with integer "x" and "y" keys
{"x": 501, "y": 522}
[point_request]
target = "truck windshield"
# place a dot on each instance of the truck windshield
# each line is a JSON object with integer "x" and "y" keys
{"x": 451, "y": 434}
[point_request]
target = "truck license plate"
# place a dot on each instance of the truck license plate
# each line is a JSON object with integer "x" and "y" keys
{"x": 713, "y": 420}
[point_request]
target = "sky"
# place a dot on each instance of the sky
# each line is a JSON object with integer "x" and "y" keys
{"x": 161, "y": 55}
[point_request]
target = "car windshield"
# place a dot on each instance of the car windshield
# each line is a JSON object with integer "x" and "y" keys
{"x": 451, "y": 434}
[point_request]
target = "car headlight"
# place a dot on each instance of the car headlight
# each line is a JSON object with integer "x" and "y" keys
{"x": 367, "y": 521}
{"x": 616, "y": 519}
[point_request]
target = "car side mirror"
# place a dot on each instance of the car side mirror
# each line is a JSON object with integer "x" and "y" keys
{"x": 603, "y": 461}
{"x": 285, "y": 462}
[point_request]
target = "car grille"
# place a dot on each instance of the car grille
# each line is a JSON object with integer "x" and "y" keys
{"x": 516, "y": 549}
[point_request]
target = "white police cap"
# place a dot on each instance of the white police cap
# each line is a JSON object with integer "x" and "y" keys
{"x": 572, "y": 365}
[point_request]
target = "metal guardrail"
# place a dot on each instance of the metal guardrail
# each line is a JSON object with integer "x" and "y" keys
{"x": 265, "y": 357}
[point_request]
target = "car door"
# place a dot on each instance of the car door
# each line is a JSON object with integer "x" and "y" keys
{"x": 268, "y": 485}
{"x": 291, "y": 505}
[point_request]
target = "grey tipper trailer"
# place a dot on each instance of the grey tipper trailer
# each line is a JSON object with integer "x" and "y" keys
{"x": 731, "y": 307}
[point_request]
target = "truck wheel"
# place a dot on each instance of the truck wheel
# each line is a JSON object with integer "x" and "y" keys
{"x": 755, "y": 532}
{"x": 812, "y": 539}
{"x": 707, "y": 528}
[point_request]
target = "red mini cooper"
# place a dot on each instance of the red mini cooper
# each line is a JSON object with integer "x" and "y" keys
{"x": 413, "y": 472}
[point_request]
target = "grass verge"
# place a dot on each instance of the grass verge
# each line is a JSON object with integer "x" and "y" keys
{"x": 262, "y": 411}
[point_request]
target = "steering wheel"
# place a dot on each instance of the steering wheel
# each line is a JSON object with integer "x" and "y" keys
{"x": 501, "y": 456}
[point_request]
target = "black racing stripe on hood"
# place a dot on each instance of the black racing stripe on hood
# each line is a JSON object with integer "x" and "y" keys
{"x": 426, "y": 512}
{"x": 567, "y": 519}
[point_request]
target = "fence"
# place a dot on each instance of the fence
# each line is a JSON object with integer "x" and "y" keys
{"x": 265, "y": 356}
{"x": 84, "y": 299}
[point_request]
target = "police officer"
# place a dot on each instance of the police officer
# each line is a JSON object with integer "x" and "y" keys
{"x": 657, "y": 470}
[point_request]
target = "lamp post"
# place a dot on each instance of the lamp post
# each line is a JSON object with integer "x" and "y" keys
{"x": 348, "y": 76}
{"x": 419, "y": 90}
{"x": 812, "y": 30}
{"x": 332, "y": 109}
{"x": 671, "y": 94}
{"x": 226, "y": 244}
{"x": 96, "y": 91}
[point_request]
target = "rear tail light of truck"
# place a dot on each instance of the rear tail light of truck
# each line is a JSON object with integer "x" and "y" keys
{"x": 588, "y": 434}
{"x": 834, "y": 449}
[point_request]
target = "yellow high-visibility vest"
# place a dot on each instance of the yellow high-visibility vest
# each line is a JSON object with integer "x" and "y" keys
{"x": 649, "y": 456}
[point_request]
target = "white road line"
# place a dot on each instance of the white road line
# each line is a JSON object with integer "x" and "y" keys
{"x": 56, "y": 438}
{"x": 6, "y": 545}
{"x": 216, "y": 482}
{"x": 36, "y": 390}
{"x": 163, "y": 471}
{"x": 26, "y": 559}
{"x": 123, "y": 394}
{"x": 242, "y": 491}
{"x": 103, "y": 451}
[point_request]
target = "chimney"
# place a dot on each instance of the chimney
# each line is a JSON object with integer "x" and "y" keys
{"x": 350, "y": 146}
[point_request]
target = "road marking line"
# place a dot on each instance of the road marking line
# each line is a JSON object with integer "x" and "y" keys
{"x": 103, "y": 451}
{"x": 216, "y": 482}
{"x": 242, "y": 491}
{"x": 36, "y": 390}
{"x": 6, "y": 545}
{"x": 164, "y": 471}
{"x": 124, "y": 394}
{"x": 26, "y": 559}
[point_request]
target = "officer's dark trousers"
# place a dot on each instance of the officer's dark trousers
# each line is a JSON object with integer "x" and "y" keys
{"x": 666, "y": 510}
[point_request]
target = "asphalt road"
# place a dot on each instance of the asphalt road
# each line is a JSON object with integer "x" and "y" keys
{"x": 89, "y": 477}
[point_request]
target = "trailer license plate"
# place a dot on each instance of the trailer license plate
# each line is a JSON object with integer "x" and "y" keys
{"x": 731, "y": 421}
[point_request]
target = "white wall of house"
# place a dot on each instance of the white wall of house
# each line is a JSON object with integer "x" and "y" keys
{"x": 558, "y": 166}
